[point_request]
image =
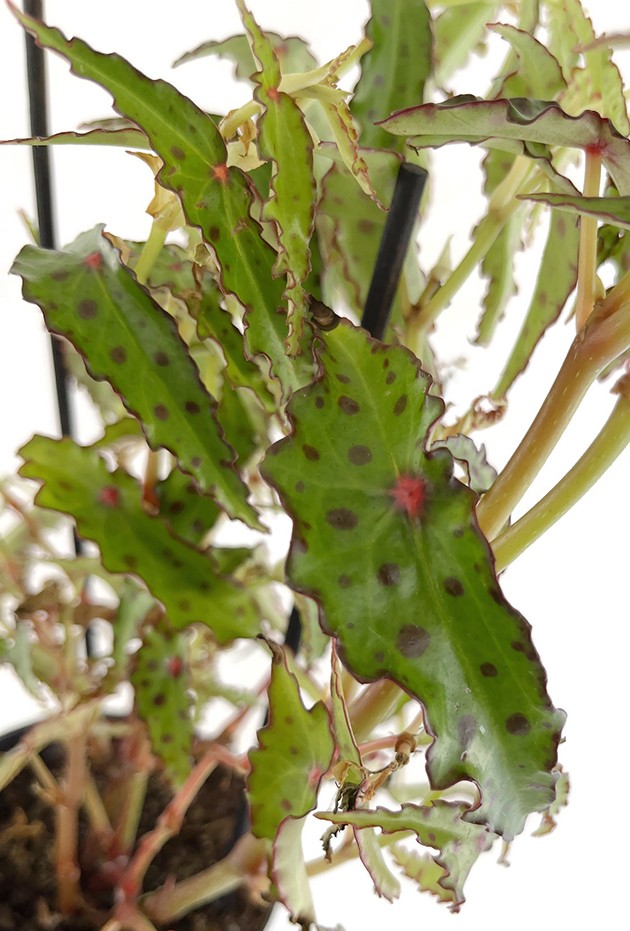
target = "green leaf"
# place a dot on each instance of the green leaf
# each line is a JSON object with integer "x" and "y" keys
{"x": 292, "y": 52}
{"x": 458, "y": 31}
{"x": 538, "y": 74}
{"x": 424, "y": 870}
{"x": 498, "y": 268}
{"x": 160, "y": 679}
{"x": 481, "y": 474}
{"x": 394, "y": 71}
{"x": 89, "y": 297}
{"x": 216, "y": 198}
{"x": 386, "y": 541}
{"x": 133, "y": 607}
{"x": 344, "y": 737}
{"x": 440, "y": 826}
{"x": 188, "y": 514}
{"x": 289, "y": 872}
{"x": 556, "y": 280}
{"x": 615, "y": 210}
{"x": 107, "y": 508}
{"x": 294, "y": 752}
{"x": 385, "y": 883}
{"x": 509, "y": 125}
{"x": 285, "y": 139}
{"x": 127, "y": 138}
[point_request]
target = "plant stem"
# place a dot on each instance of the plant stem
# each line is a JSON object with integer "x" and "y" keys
{"x": 67, "y": 833}
{"x": 500, "y": 206}
{"x": 150, "y": 251}
{"x": 601, "y": 342}
{"x": 587, "y": 262}
{"x": 608, "y": 445}
{"x": 373, "y": 705}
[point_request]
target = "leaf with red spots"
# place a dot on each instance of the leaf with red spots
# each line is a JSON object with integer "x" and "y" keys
{"x": 440, "y": 826}
{"x": 162, "y": 699}
{"x": 107, "y": 508}
{"x": 284, "y": 138}
{"x": 215, "y": 198}
{"x": 513, "y": 124}
{"x": 294, "y": 752}
{"x": 89, "y": 297}
{"x": 394, "y": 71}
{"x": 385, "y": 539}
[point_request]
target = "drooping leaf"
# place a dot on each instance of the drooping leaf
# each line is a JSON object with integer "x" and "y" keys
{"x": 133, "y": 607}
{"x": 538, "y": 74}
{"x": 511, "y": 125}
{"x": 556, "y": 280}
{"x": 385, "y": 883}
{"x": 498, "y": 268}
{"x": 458, "y": 31}
{"x": 614, "y": 210}
{"x": 480, "y": 473}
{"x": 424, "y": 870}
{"x": 285, "y": 139}
{"x": 292, "y": 52}
{"x": 126, "y": 138}
{"x": 161, "y": 679}
{"x": 216, "y": 198}
{"x": 89, "y": 297}
{"x": 294, "y": 752}
{"x": 440, "y": 826}
{"x": 394, "y": 71}
{"x": 289, "y": 872}
{"x": 386, "y": 541}
{"x": 107, "y": 508}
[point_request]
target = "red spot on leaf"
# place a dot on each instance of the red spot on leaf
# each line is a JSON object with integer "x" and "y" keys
{"x": 174, "y": 666}
{"x": 221, "y": 173}
{"x": 94, "y": 260}
{"x": 273, "y": 93}
{"x": 109, "y": 496}
{"x": 409, "y": 494}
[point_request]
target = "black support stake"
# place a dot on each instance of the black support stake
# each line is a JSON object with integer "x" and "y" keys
{"x": 393, "y": 248}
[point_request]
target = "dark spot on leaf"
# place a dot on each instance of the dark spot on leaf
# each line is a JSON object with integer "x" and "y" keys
{"x": 288, "y": 719}
{"x": 176, "y": 507}
{"x": 118, "y": 354}
{"x": 391, "y": 378}
{"x": 162, "y": 359}
{"x": 518, "y": 725}
{"x": 365, "y": 226}
{"x": 87, "y": 309}
{"x": 319, "y": 401}
{"x": 310, "y": 452}
{"x": 159, "y": 700}
{"x": 184, "y": 604}
{"x": 400, "y": 404}
{"x": 344, "y": 581}
{"x": 342, "y": 518}
{"x": 294, "y": 751}
{"x": 348, "y": 405}
{"x": 359, "y": 455}
{"x": 344, "y": 379}
{"x": 466, "y": 730}
{"x": 299, "y": 486}
{"x": 214, "y": 234}
{"x": 130, "y": 560}
{"x": 389, "y": 573}
{"x": 178, "y": 153}
{"x": 192, "y": 407}
{"x": 379, "y": 656}
{"x": 61, "y": 275}
{"x": 453, "y": 586}
{"x": 195, "y": 462}
{"x": 489, "y": 670}
{"x": 285, "y": 804}
{"x": 412, "y": 641}
{"x": 161, "y": 412}
{"x": 458, "y": 532}
{"x": 385, "y": 363}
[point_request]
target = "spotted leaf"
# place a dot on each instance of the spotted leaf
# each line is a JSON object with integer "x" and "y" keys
{"x": 294, "y": 752}
{"x": 215, "y": 198}
{"x": 161, "y": 680}
{"x": 395, "y": 69}
{"x": 386, "y": 541}
{"x": 440, "y": 826}
{"x": 89, "y": 297}
{"x": 107, "y": 508}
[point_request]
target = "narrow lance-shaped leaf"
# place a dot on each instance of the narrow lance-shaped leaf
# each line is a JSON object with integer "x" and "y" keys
{"x": 289, "y": 872}
{"x": 292, "y": 52}
{"x": 89, "y": 297}
{"x": 614, "y": 210}
{"x": 161, "y": 680}
{"x": 107, "y": 508}
{"x": 394, "y": 71}
{"x": 458, "y": 31}
{"x": 216, "y": 198}
{"x": 440, "y": 826}
{"x": 498, "y": 268}
{"x": 512, "y": 124}
{"x": 386, "y": 541}
{"x": 285, "y": 139}
{"x": 538, "y": 73}
{"x": 294, "y": 752}
{"x": 125, "y": 138}
{"x": 556, "y": 280}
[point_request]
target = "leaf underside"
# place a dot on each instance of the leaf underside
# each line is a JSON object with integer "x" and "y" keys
{"x": 404, "y": 578}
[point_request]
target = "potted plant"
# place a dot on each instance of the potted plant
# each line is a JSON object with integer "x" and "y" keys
{"x": 234, "y": 385}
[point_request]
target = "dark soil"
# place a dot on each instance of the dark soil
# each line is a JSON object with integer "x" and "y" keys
{"x": 27, "y": 877}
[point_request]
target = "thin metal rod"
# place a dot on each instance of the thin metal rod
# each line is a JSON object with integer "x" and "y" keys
{"x": 395, "y": 240}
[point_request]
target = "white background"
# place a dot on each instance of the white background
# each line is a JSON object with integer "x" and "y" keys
{"x": 572, "y": 585}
